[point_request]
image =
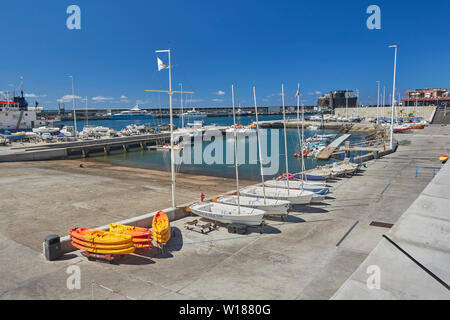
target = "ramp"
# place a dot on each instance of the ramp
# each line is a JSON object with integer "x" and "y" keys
{"x": 328, "y": 151}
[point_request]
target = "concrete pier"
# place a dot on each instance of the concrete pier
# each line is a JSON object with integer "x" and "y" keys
{"x": 57, "y": 151}
{"x": 309, "y": 256}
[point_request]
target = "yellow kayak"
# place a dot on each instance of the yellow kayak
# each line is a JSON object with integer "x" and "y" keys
{"x": 443, "y": 158}
{"x": 99, "y": 236}
{"x": 161, "y": 227}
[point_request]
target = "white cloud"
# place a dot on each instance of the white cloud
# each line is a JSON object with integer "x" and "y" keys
{"x": 67, "y": 98}
{"x": 315, "y": 93}
{"x": 123, "y": 97}
{"x": 32, "y": 95}
{"x": 101, "y": 99}
{"x": 217, "y": 100}
{"x": 220, "y": 93}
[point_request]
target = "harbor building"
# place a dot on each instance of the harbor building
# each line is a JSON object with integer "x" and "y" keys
{"x": 338, "y": 99}
{"x": 427, "y": 97}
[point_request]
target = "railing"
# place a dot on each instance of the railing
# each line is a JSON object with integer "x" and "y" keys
{"x": 427, "y": 169}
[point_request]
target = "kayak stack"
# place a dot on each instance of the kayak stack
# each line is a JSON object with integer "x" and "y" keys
{"x": 101, "y": 242}
{"x": 141, "y": 237}
{"x": 161, "y": 228}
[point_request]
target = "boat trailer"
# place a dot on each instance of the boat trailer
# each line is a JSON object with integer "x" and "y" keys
{"x": 204, "y": 228}
{"x": 110, "y": 258}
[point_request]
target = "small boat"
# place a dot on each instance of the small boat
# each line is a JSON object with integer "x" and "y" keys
{"x": 417, "y": 126}
{"x": 161, "y": 227}
{"x": 337, "y": 170}
{"x": 270, "y": 206}
{"x": 16, "y": 136}
{"x": 443, "y": 159}
{"x": 134, "y": 113}
{"x": 316, "y": 187}
{"x": 226, "y": 213}
{"x": 401, "y": 128}
{"x": 309, "y": 177}
{"x": 175, "y": 147}
{"x": 294, "y": 196}
{"x": 292, "y": 178}
{"x": 193, "y": 114}
{"x": 304, "y": 153}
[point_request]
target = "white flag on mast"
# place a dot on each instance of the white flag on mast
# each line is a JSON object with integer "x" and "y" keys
{"x": 161, "y": 65}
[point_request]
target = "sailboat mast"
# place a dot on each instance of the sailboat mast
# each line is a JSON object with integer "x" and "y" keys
{"x": 235, "y": 153}
{"x": 259, "y": 145}
{"x": 172, "y": 153}
{"x": 87, "y": 118}
{"x": 285, "y": 137}
{"x": 302, "y": 137}
{"x": 182, "y": 112}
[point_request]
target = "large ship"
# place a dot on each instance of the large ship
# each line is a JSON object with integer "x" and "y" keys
{"x": 16, "y": 116}
{"x": 133, "y": 113}
{"x": 193, "y": 114}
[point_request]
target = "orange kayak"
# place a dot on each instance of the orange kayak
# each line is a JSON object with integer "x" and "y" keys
{"x": 102, "y": 246}
{"x": 103, "y": 251}
{"x": 161, "y": 227}
{"x": 100, "y": 237}
{"x": 141, "y": 237}
{"x": 135, "y": 232}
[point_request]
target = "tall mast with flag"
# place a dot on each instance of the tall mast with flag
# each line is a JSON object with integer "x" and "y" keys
{"x": 162, "y": 66}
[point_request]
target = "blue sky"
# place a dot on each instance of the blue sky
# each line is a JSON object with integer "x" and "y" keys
{"x": 324, "y": 45}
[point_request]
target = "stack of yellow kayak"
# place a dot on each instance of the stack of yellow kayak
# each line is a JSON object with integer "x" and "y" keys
{"x": 142, "y": 237}
{"x": 161, "y": 227}
{"x": 103, "y": 242}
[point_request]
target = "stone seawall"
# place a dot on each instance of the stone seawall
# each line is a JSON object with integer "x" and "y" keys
{"x": 366, "y": 112}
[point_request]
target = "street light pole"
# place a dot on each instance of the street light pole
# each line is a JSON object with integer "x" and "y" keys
{"x": 393, "y": 96}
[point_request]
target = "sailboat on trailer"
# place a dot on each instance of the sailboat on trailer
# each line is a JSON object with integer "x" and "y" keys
{"x": 225, "y": 210}
{"x": 270, "y": 206}
{"x": 292, "y": 195}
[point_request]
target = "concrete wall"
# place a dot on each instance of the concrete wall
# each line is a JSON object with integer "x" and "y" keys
{"x": 425, "y": 112}
{"x": 54, "y": 154}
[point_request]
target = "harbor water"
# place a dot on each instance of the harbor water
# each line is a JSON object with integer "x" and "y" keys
{"x": 249, "y": 168}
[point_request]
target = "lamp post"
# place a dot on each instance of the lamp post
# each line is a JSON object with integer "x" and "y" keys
{"x": 393, "y": 95}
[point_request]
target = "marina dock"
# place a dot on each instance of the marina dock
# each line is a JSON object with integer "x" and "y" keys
{"x": 63, "y": 150}
{"x": 328, "y": 151}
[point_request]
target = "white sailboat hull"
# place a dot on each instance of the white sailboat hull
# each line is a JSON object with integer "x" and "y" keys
{"x": 297, "y": 185}
{"x": 294, "y": 196}
{"x": 270, "y": 206}
{"x": 225, "y": 213}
